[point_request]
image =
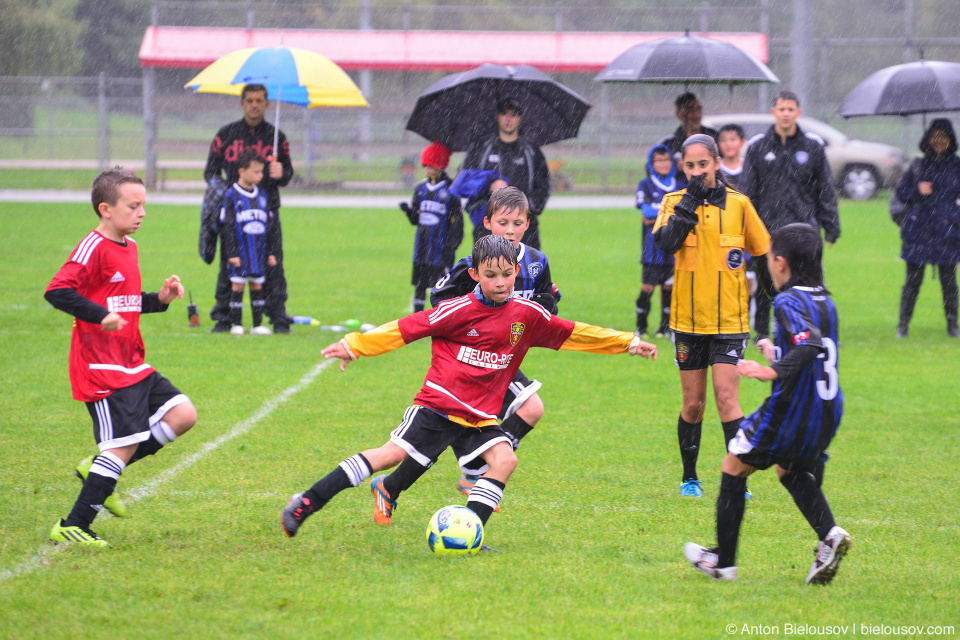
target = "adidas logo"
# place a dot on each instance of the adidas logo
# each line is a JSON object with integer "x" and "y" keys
{"x": 97, "y": 507}
{"x": 473, "y": 333}
{"x": 770, "y": 157}
{"x": 117, "y": 277}
{"x": 732, "y": 353}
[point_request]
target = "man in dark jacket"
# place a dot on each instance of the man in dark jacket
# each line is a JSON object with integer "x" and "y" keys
{"x": 689, "y": 113}
{"x": 253, "y": 132}
{"x": 787, "y": 177}
{"x": 519, "y": 163}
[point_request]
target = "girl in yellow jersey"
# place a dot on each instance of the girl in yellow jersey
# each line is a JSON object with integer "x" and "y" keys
{"x": 708, "y": 227}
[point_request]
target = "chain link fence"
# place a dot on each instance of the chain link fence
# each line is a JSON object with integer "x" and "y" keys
{"x": 95, "y": 122}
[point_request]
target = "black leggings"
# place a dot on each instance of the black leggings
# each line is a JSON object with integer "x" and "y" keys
{"x": 911, "y": 290}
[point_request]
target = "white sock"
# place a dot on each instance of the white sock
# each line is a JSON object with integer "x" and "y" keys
{"x": 357, "y": 469}
{"x": 485, "y": 492}
{"x": 108, "y": 465}
{"x": 163, "y": 433}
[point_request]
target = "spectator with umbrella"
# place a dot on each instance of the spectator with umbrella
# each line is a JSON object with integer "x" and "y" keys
{"x": 517, "y": 162}
{"x": 500, "y": 115}
{"x": 930, "y": 232}
{"x": 689, "y": 112}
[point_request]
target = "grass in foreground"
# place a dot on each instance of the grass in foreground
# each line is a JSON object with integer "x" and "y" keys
{"x": 592, "y": 527}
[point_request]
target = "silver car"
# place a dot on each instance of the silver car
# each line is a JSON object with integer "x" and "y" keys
{"x": 859, "y": 168}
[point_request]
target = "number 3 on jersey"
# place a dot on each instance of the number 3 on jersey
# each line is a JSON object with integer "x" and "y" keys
{"x": 830, "y": 384}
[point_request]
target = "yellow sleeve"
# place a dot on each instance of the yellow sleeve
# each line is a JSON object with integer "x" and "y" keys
{"x": 587, "y": 337}
{"x": 666, "y": 210}
{"x": 384, "y": 338}
{"x": 755, "y": 236}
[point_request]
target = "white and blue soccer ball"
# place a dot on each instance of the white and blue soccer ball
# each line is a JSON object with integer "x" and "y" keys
{"x": 455, "y": 531}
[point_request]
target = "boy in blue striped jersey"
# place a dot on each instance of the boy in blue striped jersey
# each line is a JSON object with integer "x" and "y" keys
{"x": 508, "y": 215}
{"x": 657, "y": 265}
{"x": 248, "y": 241}
{"x": 437, "y": 214}
{"x": 795, "y": 424}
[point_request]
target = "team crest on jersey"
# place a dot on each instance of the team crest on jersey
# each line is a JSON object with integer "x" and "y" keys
{"x": 535, "y": 268}
{"x": 516, "y": 331}
{"x": 683, "y": 352}
{"x": 735, "y": 258}
{"x": 802, "y": 157}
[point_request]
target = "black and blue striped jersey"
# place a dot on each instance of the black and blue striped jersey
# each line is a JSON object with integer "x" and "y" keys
{"x": 533, "y": 279}
{"x": 439, "y": 220}
{"x": 803, "y": 411}
{"x": 246, "y": 226}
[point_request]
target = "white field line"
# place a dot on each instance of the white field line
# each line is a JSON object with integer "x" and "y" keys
{"x": 45, "y": 553}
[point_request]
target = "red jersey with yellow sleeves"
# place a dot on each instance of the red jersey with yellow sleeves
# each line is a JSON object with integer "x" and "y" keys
{"x": 477, "y": 349}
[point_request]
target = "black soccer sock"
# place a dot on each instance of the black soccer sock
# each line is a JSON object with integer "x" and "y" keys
{"x": 146, "y": 448}
{"x": 643, "y": 310}
{"x": 403, "y": 477}
{"x": 419, "y": 297}
{"x": 236, "y": 307}
{"x": 664, "y": 310}
{"x": 516, "y": 427}
{"x": 257, "y": 301}
{"x": 688, "y": 433}
{"x": 100, "y": 483}
{"x": 484, "y": 497}
{"x": 349, "y": 473}
{"x": 730, "y": 505}
{"x": 819, "y": 472}
{"x": 762, "y": 313}
{"x": 730, "y": 429}
{"x": 811, "y": 501}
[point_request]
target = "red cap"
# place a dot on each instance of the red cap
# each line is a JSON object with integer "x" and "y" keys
{"x": 435, "y": 155}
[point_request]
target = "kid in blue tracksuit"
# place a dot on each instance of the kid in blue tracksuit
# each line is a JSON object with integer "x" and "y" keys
{"x": 657, "y": 265}
{"x": 439, "y": 219}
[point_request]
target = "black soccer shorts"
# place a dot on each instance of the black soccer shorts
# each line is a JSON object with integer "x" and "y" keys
{"x": 760, "y": 458}
{"x": 657, "y": 274}
{"x": 126, "y": 415}
{"x": 694, "y": 352}
{"x": 425, "y": 434}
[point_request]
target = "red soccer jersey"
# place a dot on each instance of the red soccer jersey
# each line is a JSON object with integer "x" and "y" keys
{"x": 108, "y": 274}
{"x": 477, "y": 350}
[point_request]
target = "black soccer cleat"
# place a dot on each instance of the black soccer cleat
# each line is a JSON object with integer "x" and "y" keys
{"x": 293, "y": 515}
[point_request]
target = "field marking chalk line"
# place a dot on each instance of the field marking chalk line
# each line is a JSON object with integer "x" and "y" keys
{"x": 44, "y": 555}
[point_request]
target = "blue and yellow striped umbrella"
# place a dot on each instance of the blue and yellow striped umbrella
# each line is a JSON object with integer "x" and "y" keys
{"x": 294, "y": 76}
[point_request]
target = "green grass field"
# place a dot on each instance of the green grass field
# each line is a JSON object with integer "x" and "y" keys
{"x": 590, "y": 537}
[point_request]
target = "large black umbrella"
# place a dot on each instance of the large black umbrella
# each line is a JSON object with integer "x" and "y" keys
{"x": 686, "y": 60}
{"x": 461, "y": 108}
{"x": 927, "y": 86}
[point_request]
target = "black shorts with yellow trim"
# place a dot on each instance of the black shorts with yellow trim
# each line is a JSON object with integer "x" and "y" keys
{"x": 694, "y": 352}
{"x": 424, "y": 434}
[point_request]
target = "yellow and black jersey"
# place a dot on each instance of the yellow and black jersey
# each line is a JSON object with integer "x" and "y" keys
{"x": 710, "y": 293}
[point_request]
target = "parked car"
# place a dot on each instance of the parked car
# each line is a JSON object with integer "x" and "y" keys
{"x": 859, "y": 168}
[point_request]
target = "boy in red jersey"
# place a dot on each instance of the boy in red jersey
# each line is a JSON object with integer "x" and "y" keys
{"x": 135, "y": 410}
{"x": 478, "y": 343}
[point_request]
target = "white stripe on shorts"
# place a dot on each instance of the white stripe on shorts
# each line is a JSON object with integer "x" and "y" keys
{"x": 396, "y": 437}
{"x": 521, "y": 394}
{"x": 104, "y": 421}
{"x": 157, "y": 416}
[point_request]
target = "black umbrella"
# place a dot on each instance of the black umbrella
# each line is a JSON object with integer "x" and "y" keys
{"x": 927, "y": 86}
{"x": 461, "y": 108}
{"x": 688, "y": 60}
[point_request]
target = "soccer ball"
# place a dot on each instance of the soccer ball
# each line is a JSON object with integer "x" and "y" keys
{"x": 455, "y": 531}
